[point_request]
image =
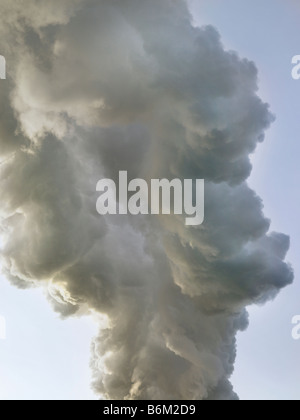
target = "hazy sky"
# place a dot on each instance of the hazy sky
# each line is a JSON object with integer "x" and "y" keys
{"x": 45, "y": 358}
{"x": 42, "y": 357}
{"x": 268, "y": 32}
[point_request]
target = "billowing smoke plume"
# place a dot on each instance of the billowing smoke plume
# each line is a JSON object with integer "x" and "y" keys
{"x": 99, "y": 86}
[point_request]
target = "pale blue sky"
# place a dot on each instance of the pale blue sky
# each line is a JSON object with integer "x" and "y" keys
{"x": 268, "y": 32}
{"x": 44, "y": 358}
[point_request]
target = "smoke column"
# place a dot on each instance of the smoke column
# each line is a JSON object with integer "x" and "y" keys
{"x": 95, "y": 87}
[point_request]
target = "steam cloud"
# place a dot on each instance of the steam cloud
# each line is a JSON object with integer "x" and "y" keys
{"x": 95, "y": 87}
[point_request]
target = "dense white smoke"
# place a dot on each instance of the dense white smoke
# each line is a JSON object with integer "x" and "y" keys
{"x": 99, "y": 86}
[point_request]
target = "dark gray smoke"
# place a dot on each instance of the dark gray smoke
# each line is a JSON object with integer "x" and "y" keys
{"x": 96, "y": 87}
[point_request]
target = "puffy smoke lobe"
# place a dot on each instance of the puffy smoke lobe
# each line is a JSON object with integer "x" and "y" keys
{"x": 96, "y": 87}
